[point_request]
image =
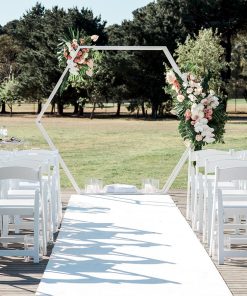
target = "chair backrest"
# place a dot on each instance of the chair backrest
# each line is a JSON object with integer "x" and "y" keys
{"x": 196, "y": 155}
{"x": 237, "y": 173}
{"x": 211, "y": 164}
{"x": 242, "y": 154}
{"x": 200, "y": 161}
{"x": 20, "y": 172}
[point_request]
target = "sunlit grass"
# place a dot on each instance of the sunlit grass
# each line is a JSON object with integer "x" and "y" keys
{"x": 117, "y": 150}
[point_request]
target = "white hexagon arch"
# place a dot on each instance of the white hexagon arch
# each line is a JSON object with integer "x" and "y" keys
{"x": 185, "y": 155}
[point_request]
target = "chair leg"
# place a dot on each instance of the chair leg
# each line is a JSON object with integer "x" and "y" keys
{"x": 220, "y": 235}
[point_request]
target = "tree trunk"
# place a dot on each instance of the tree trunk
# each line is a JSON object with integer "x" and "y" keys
{"x": 76, "y": 109}
{"x": 11, "y": 110}
{"x": 154, "y": 111}
{"x": 39, "y": 107}
{"x": 143, "y": 109}
{"x": 137, "y": 113}
{"x": 92, "y": 113}
{"x": 3, "y": 111}
{"x": 53, "y": 105}
{"x": 80, "y": 111}
{"x": 118, "y": 108}
{"x": 60, "y": 109}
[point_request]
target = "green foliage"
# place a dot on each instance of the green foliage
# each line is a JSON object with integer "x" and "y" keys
{"x": 9, "y": 49}
{"x": 8, "y": 92}
{"x": 203, "y": 55}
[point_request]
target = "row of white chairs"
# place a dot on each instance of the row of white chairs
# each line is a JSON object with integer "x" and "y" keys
{"x": 217, "y": 199}
{"x": 30, "y": 203}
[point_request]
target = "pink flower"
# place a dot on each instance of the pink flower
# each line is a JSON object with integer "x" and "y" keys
{"x": 204, "y": 101}
{"x": 187, "y": 114}
{"x": 208, "y": 113}
{"x": 90, "y": 63}
{"x": 94, "y": 38}
{"x": 89, "y": 72}
{"x": 193, "y": 122}
{"x": 176, "y": 85}
{"x": 170, "y": 77}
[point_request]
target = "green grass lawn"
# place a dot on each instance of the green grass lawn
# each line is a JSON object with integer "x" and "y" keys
{"x": 117, "y": 150}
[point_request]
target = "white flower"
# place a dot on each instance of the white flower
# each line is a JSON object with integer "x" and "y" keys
{"x": 209, "y": 140}
{"x": 199, "y": 127}
{"x": 198, "y": 138}
{"x": 94, "y": 38}
{"x": 214, "y": 102}
{"x": 200, "y": 107}
{"x": 189, "y": 90}
{"x": 212, "y": 93}
{"x": 192, "y": 97}
{"x": 204, "y": 101}
{"x": 198, "y": 91}
{"x": 180, "y": 98}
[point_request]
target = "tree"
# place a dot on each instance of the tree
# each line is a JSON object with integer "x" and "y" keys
{"x": 229, "y": 17}
{"x": 203, "y": 55}
{"x": 237, "y": 86}
{"x": 9, "y": 49}
{"x": 158, "y": 24}
{"x": 8, "y": 93}
{"x": 38, "y": 31}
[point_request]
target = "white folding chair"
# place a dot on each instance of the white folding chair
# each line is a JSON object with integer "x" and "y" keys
{"x": 53, "y": 180}
{"x": 225, "y": 205}
{"x": 15, "y": 191}
{"x": 195, "y": 183}
{"x": 24, "y": 207}
{"x": 209, "y": 180}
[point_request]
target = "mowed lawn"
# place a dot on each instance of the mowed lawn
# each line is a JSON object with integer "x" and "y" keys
{"x": 117, "y": 150}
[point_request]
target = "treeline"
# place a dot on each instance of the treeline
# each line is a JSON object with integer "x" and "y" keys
{"x": 29, "y": 66}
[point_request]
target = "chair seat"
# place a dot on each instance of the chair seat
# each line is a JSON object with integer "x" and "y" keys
{"x": 17, "y": 206}
{"x": 235, "y": 204}
{"x": 27, "y": 193}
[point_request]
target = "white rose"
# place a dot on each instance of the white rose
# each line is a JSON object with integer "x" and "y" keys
{"x": 209, "y": 140}
{"x": 192, "y": 97}
{"x": 204, "y": 121}
{"x": 189, "y": 90}
{"x": 198, "y": 138}
{"x": 200, "y": 107}
{"x": 198, "y": 127}
{"x": 197, "y": 91}
{"x": 180, "y": 98}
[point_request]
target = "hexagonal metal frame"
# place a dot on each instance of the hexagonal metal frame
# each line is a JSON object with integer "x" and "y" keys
{"x": 185, "y": 155}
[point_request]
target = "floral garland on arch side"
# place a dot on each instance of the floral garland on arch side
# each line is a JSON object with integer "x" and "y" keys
{"x": 81, "y": 62}
{"x": 201, "y": 113}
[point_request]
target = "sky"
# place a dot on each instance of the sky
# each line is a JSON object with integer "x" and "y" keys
{"x": 112, "y": 11}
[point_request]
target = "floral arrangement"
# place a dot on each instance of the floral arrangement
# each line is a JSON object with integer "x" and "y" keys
{"x": 201, "y": 113}
{"x": 80, "y": 61}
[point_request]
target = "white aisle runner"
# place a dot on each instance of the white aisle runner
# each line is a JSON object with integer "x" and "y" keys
{"x": 128, "y": 245}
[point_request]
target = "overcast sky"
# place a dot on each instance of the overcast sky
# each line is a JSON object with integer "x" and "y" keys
{"x": 112, "y": 11}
